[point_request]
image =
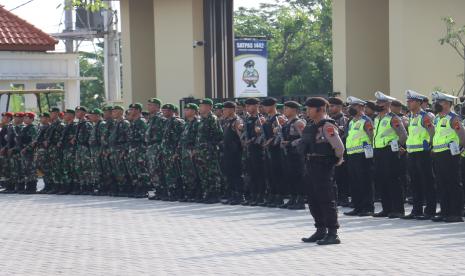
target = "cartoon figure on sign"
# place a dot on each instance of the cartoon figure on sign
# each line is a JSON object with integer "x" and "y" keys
{"x": 250, "y": 75}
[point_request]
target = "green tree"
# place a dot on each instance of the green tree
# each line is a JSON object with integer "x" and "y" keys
{"x": 455, "y": 38}
{"x": 299, "y": 47}
{"x": 92, "y": 91}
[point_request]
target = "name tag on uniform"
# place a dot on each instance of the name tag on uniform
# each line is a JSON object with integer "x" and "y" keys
{"x": 395, "y": 146}
{"x": 368, "y": 149}
{"x": 454, "y": 148}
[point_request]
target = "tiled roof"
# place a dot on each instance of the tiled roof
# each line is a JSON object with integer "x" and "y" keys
{"x": 18, "y": 35}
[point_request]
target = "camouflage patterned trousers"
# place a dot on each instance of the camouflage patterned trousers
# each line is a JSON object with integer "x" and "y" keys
{"x": 208, "y": 168}
{"x": 29, "y": 168}
{"x": 69, "y": 178}
{"x": 155, "y": 166}
{"x": 55, "y": 155}
{"x": 189, "y": 173}
{"x": 4, "y": 170}
{"x": 96, "y": 168}
{"x": 172, "y": 172}
{"x": 42, "y": 163}
{"x": 82, "y": 167}
{"x": 16, "y": 171}
{"x": 137, "y": 167}
{"x": 108, "y": 182}
{"x": 119, "y": 159}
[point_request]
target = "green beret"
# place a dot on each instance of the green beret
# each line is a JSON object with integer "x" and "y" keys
{"x": 70, "y": 111}
{"x": 155, "y": 101}
{"x": 192, "y": 106}
{"x": 81, "y": 108}
{"x": 168, "y": 106}
{"x": 54, "y": 109}
{"x": 118, "y": 107}
{"x": 316, "y": 102}
{"x": 45, "y": 114}
{"x": 252, "y": 101}
{"x": 269, "y": 102}
{"x": 336, "y": 101}
{"x": 96, "y": 111}
{"x": 292, "y": 104}
{"x": 229, "y": 104}
{"x": 207, "y": 101}
{"x": 218, "y": 106}
{"x": 137, "y": 106}
{"x": 107, "y": 108}
{"x": 280, "y": 106}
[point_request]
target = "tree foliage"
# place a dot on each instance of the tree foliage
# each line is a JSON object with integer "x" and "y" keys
{"x": 299, "y": 47}
{"x": 92, "y": 91}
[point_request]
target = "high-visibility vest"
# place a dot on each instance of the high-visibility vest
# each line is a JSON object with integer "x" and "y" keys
{"x": 444, "y": 134}
{"x": 418, "y": 137}
{"x": 357, "y": 138}
{"x": 384, "y": 133}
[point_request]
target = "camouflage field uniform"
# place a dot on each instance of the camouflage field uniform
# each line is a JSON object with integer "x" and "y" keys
{"x": 153, "y": 138}
{"x": 96, "y": 157}
{"x": 41, "y": 160}
{"x": 137, "y": 163}
{"x": 119, "y": 154}
{"x": 4, "y": 171}
{"x": 26, "y": 145}
{"x": 207, "y": 155}
{"x": 55, "y": 154}
{"x": 107, "y": 173}
{"x": 185, "y": 151}
{"x": 171, "y": 164}
{"x": 69, "y": 177}
{"x": 14, "y": 158}
{"x": 82, "y": 161}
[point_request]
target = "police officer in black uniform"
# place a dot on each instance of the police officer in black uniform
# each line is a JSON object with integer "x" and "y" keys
{"x": 323, "y": 150}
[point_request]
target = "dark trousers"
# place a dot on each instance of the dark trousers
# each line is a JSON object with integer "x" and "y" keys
{"x": 232, "y": 169}
{"x": 274, "y": 170}
{"x": 361, "y": 183}
{"x": 387, "y": 175}
{"x": 342, "y": 181}
{"x": 422, "y": 182}
{"x": 447, "y": 169}
{"x": 293, "y": 167}
{"x": 255, "y": 169}
{"x": 322, "y": 199}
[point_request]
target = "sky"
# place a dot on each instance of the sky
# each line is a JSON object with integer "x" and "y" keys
{"x": 47, "y": 15}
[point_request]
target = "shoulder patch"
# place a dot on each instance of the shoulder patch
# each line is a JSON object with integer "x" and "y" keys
{"x": 395, "y": 122}
{"x": 330, "y": 131}
{"x": 456, "y": 124}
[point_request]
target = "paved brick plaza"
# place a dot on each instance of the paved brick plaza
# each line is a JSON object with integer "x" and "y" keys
{"x": 85, "y": 235}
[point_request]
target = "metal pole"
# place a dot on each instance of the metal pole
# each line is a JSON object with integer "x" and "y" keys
{"x": 112, "y": 74}
{"x": 69, "y": 43}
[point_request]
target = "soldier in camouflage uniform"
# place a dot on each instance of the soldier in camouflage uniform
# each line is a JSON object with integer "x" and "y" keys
{"x": 4, "y": 168}
{"x": 82, "y": 157}
{"x": 171, "y": 134}
{"x": 153, "y": 138}
{"x": 108, "y": 178}
{"x": 41, "y": 160}
{"x": 206, "y": 152}
{"x": 137, "y": 166}
{"x": 26, "y": 145}
{"x": 96, "y": 156}
{"x": 185, "y": 150}
{"x": 118, "y": 141}
{"x": 67, "y": 145}
{"x": 54, "y": 152}
{"x": 16, "y": 183}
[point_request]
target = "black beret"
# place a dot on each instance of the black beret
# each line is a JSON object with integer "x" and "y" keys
{"x": 229, "y": 104}
{"x": 81, "y": 108}
{"x": 336, "y": 101}
{"x": 269, "y": 102}
{"x": 252, "y": 101}
{"x": 316, "y": 102}
{"x": 54, "y": 109}
{"x": 292, "y": 104}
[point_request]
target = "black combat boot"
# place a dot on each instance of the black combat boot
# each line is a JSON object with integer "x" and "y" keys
{"x": 330, "y": 238}
{"x": 318, "y": 235}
